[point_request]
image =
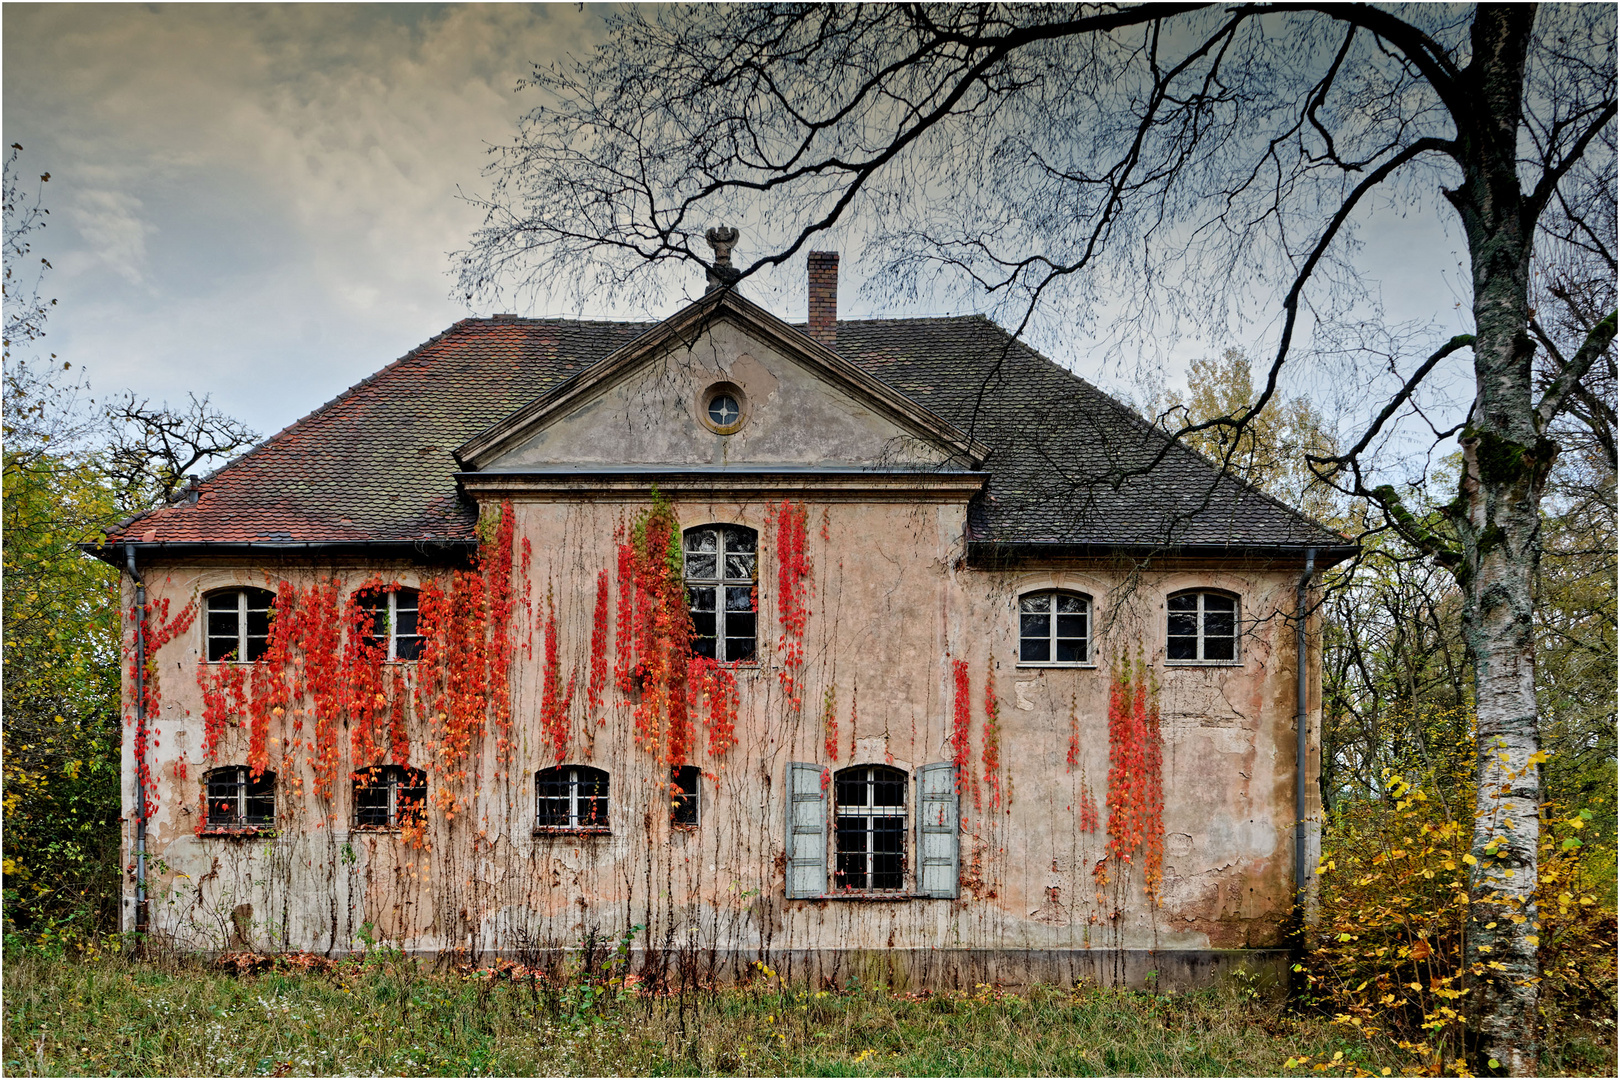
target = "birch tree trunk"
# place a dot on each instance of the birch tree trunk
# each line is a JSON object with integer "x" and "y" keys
{"x": 1498, "y": 515}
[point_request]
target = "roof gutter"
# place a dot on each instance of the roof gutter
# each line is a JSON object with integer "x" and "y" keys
{"x": 1301, "y": 727}
{"x": 415, "y": 548}
{"x": 140, "y": 739}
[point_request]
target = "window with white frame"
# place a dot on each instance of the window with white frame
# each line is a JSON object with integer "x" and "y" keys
{"x": 239, "y": 798}
{"x": 238, "y": 624}
{"x": 390, "y": 622}
{"x": 1054, "y": 627}
{"x": 869, "y": 805}
{"x": 1202, "y": 626}
{"x": 720, "y": 575}
{"x": 389, "y": 796}
{"x": 571, "y": 798}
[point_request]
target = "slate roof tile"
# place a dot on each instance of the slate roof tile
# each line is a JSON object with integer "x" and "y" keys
{"x": 375, "y": 463}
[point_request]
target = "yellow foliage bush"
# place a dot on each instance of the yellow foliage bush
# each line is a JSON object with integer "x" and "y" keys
{"x": 1386, "y": 955}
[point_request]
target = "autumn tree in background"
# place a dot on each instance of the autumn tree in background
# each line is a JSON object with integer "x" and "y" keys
{"x": 1192, "y": 164}
{"x": 72, "y": 468}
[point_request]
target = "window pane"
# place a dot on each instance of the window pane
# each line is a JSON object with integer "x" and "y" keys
{"x": 851, "y": 870}
{"x": 851, "y": 788}
{"x": 1212, "y": 602}
{"x": 1183, "y": 626}
{"x": 1071, "y": 650}
{"x": 739, "y": 598}
{"x": 1220, "y": 648}
{"x": 1036, "y": 602}
{"x": 222, "y": 797}
{"x": 408, "y": 648}
{"x": 371, "y": 799}
{"x": 889, "y": 789}
{"x": 888, "y": 853}
{"x": 260, "y": 805}
{"x": 1185, "y": 602}
{"x": 740, "y": 540}
{"x": 1071, "y": 626}
{"x": 1034, "y": 626}
{"x": 684, "y": 795}
{"x": 739, "y": 649}
{"x": 1068, "y": 605}
{"x": 701, "y": 567}
{"x": 1219, "y": 624}
{"x": 1182, "y": 648}
{"x": 1035, "y": 650}
{"x": 739, "y": 568}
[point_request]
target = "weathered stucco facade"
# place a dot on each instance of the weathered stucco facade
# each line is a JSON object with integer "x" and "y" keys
{"x": 903, "y": 597}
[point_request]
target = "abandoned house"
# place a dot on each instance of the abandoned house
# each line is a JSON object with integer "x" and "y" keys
{"x": 858, "y": 646}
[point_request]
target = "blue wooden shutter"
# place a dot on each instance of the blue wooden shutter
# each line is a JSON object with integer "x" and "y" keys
{"x": 938, "y": 861}
{"x": 806, "y": 831}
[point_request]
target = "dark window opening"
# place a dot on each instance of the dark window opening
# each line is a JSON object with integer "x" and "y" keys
{"x": 238, "y": 624}
{"x": 1054, "y": 628}
{"x": 240, "y": 798}
{"x": 684, "y": 782}
{"x": 721, "y": 571}
{"x": 572, "y": 797}
{"x": 389, "y": 796}
{"x": 1202, "y": 626}
{"x": 390, "y": 622}
{"x": 870, "y": 804}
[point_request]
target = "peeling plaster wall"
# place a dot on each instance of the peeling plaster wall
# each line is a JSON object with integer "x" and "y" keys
{"x": 894, "y": 604}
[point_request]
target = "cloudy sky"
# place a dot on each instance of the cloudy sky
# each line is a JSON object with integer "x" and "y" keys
{"x": 258, "y": 202}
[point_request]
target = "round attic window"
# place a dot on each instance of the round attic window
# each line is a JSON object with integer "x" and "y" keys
{"x": 724, "y": 408}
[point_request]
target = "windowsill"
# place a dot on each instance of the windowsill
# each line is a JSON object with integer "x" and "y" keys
{"x": 377, "y": 828}
{"x": 1203, "y": 663}
{"x": 1048, "y": 665}
{"x": 684, "y": 826}
{"x": 236, "y": 832}
{"x": 564, "y": 830}
{"x": 855, "y": 894}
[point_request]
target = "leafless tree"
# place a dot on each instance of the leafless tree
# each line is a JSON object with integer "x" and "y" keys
{"x": 1217, "y": 160}
{"x": 153, "y": 449}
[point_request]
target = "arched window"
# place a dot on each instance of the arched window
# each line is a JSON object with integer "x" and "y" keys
{"x": 1202, "y": 626}
{"x": 683, "y": 794}
{"x": 389, "y": 796}
{"x": 392, "y": 622}
{"x": 1054, "y": 627}
{"x": 239, "y": 798}
{"x": 238, "y": 626}
{"x": 721, "y": 571}
{"x": 571, "y": 798}
{"x": 869, "y": 804}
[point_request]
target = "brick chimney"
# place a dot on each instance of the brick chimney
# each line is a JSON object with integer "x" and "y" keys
{"x": 824, "y": 297}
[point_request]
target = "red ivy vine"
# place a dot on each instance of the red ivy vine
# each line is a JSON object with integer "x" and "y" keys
{"x": 554, "y": 700}
{"x": 158, "y": 630}
{"x": 962, "y": 729}
{"x": 795, "y": 584}
{"x": 992, "y": 737}
{"x": 1135, "y": 772}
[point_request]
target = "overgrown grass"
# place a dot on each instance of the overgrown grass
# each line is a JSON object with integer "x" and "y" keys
{"x": 390, "y": 1016}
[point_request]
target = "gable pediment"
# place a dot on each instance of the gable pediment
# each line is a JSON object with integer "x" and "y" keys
{"x": 646, "y": 406}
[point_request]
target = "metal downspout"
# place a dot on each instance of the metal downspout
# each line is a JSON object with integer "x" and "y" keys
{"x": 1301, "y": 724}
{"x": 140, "y": 738}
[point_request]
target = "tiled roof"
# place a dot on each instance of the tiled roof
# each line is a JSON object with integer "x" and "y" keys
{"x": 375, "y": 463}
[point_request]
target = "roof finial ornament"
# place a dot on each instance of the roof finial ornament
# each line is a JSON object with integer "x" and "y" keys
{"x": 722, "y": 238}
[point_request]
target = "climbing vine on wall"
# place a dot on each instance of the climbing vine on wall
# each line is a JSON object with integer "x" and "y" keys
{"x": 829, "y": 720}
{"x": 1135, "y": 772}
{"x": 654, "y": 654}
{"x": 325, "y": 665}
{"x": 992, "y": 737}
{"x": 962, "y": 729}
{"x": 596, "y": 683}
{"x": 158, "y": 630}
{"x": 555, "y": 700}
{"x": 795, "y": 584}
